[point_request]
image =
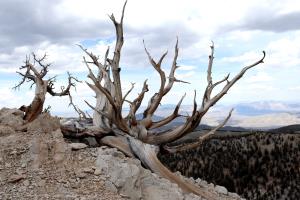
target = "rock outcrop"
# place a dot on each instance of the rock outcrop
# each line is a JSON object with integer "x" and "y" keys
{"x": 11, "y": 117}
{"x": 127, "y": 177}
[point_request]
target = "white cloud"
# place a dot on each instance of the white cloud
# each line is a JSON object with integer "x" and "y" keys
{"x": 284, "y": 52}
{"x": 11, "y": 98}
{"x": 185, "y": 76}
{"x": 194, "y": 22}
{"x": 186, "y": 68}
{"x": 296, "y": 88}
{"x": 259, "y": 78}
{"x": 246, "y": 58}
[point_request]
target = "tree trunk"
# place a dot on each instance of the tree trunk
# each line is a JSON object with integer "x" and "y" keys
{"x": 36, "y": 107}
{"x": 102, "y": 104}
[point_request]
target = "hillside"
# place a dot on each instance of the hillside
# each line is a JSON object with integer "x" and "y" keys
{"x": 255, "y": 165}
{"x": 295, "y": 128}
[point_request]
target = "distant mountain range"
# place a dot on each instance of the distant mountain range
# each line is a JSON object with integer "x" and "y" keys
{"x": 252, "y": 115}
{"x": 288, "y": 129}
{"x": 267, "y": 107}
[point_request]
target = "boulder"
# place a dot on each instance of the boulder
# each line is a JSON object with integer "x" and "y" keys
{"x": 221, "y": 190}
{"x": 91, "y": 142}
{"x": 11, "y": 117}
{"x": 124, "y": 176}
{"x": 158, "y": 188}
{"x": 77, "y": 146}
{"x": 129, "y": 178}
{"x": 47, "y": 147}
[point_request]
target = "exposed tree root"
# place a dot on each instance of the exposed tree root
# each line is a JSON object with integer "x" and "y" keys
{"x": 147, "y": 154}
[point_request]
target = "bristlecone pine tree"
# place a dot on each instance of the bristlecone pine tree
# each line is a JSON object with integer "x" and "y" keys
{"x": 140, "y": 138}
{"x": 43, "y": 86}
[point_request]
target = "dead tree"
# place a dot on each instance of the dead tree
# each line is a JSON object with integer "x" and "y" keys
{"x": 35, "y": 73}
{"x": 139, "y": 137}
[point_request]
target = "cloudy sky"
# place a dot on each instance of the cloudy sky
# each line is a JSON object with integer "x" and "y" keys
{"x": 241, "y": 30}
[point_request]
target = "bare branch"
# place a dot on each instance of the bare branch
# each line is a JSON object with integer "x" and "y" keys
{"x": 156, "y": 98}
{"x": 116, "y": 59}
{"x": 88, "y": 114}
{"x": 157, "y": 67}
{"x": 78, "y": 110}
{"x": 166, "y": 136}
{"x": 93, "y": 57}
{"x": 98, "y": 88}
{"x": 27, "y": 75}
{"x": 229, "y": 84}
{"x": 164, "y": 89}
{"x": 102, "y": 68}
{"x": 99, "y": 111}
{"x": 123, "y": 11}
{"x": 178, "y": 132}
{"x": 30, "y": 67}
{"x": 209, "y": 89}
{"x": 170, "y": 117}
{"x": 135, "y": 104}
{"x": 221, "y": 81}
{"x": 64, "y": 91}
{"x": 171, "y": 77}
{"x": 128, "y": 92}
{"x": 106, "y": 58}
{"x": 183, "y": 147}
{"x": 40, "y": 61}
{"x": 210, "y": 63}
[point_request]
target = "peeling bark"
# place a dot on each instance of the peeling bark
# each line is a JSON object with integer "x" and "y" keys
{"x": 36, "y": 107}
{"x": 103, "y": 105}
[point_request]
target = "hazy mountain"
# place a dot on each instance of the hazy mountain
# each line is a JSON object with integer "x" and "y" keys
{"x": 154, "y": 117}
{"x": 253, "y": 115}
{"x": 295, "y": 128}
{"x": 266, "y": 107}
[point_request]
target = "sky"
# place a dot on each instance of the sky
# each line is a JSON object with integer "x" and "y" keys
{"x": 241, "y": 30}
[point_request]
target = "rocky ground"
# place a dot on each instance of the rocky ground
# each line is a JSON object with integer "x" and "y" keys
{"x": 36, "y": 162}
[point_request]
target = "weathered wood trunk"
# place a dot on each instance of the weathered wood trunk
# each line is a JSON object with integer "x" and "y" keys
{"x": 102, "y": 104}
{"x": 36, "y": 107}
